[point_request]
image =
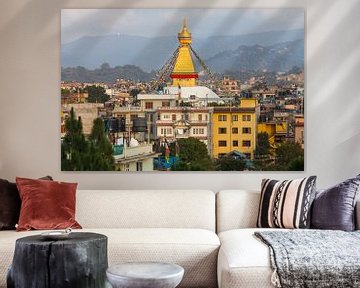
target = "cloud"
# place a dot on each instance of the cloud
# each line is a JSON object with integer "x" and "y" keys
{"x": 76, "y": 23}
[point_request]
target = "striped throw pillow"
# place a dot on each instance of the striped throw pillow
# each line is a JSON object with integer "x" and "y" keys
{"x": 286, "y": 204}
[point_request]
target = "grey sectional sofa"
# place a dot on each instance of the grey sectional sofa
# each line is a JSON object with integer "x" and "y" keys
{"x": 210, "y": 235}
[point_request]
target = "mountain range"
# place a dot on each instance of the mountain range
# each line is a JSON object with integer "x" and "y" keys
{"x": 272, "y": 50}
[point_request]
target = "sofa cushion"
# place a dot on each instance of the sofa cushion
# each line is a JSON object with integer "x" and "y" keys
{"x": 244, "y": 261}
{"x": 153, "y": 209}
{"x": 196, "y": 250}
{"x": 46, "y": 204}
{"x": 286, "y": 204}
{"x": 236, "y": 209}
{"x": 10, "y": 204}
{"x": 334, "y": 208}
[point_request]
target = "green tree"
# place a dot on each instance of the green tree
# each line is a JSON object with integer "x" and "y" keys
{"x": 193, "y": 156}
{"x": 262, "y": 144}
{"x": 229, "y": 163}
{"x": 96, "y": 94}
{"x": 134, "y": 92}
{"x": 100, "y": 156}
{"x": 74, "y": 147}
{"x": 263, "y": 159}
{"x": 296, "y": 164}
{"x": 287, "y": 152}
{"x": 65, "y": 92}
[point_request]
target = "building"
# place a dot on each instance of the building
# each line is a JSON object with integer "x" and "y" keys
{"x": 183, "y": 122}
{"x": 234, "y": 129}
{"x": 276, "y": 130}
{"x": 299, "y": 130}
{"x": 135, "y": 157}
{"x": 87, "y": 111}
{"x": 230, "y": 86}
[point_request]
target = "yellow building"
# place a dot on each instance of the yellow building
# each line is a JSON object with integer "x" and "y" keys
{"x": 299, "y": 130}
{"x": 234, "y": 128}
{"x": 184, "y": 74}
{"x": 277, "y": 131}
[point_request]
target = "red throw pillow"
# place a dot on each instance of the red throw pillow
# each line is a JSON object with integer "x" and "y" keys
{"x": 46, "y": 204}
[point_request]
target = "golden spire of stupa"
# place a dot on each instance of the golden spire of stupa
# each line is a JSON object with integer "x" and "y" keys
{"x": 184, "y": 73}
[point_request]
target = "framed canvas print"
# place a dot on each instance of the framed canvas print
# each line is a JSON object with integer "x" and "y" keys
{"x": 182, "y": 89}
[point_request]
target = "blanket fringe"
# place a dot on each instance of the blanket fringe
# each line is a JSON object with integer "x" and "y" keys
{"x": 275, "y": 280}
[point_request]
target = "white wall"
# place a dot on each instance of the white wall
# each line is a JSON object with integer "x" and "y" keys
{"x": 30, "y": 100}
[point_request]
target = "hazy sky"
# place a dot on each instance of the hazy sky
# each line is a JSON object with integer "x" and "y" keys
{"x": 76, "y": 23}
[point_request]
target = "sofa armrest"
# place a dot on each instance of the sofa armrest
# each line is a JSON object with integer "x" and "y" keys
{"x": 357, "y": 215}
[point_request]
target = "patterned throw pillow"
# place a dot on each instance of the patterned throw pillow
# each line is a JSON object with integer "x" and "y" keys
{"x": 286, "y": 204}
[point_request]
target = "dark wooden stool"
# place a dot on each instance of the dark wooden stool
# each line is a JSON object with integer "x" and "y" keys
{"x": 78, "y": 261}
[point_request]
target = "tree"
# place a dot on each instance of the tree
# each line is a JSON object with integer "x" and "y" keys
{"x": 287, "y": 152}
{"x": 193, "y": 156}
{"x": 101, "y": 158}
{"x": 74, "y": 148}
{"x": 296, "y": 164}
{"x": 262, "y": 144}
{"x": 134, "y": 92}
{"x": 96, "y": 94}
{"x": 229, "y": 163}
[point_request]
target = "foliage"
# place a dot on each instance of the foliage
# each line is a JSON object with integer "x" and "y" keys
{"x": 296, "y": 164}
{"x": 229, "y": 163}
{"x": 81, "y": 154}
{"x": 185, "y": 104}
{"x": 262, "y": 144}
{"x": 286, "y": 153}
{"x": 65, "y": 92}
{"x": 193, "y": 156}
{"x": 105, "y": 74}
{"x": 134, "y": 92}
{"x": 101, "y": 150}
{"x": 96, "y": 94}
{"x": 74, "y": 148}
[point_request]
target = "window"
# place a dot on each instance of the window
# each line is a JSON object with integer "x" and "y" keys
{"x": 139, "y": 166}
{"x": 246, "y": 143}
{"x": 149, "y": 105}
{"x": 246, "y": 117}
{"x": 127, "y": 167}
{"x": 192, "y": 97}
{"x": 235, "y": 143}
{"x": 166, "y": 116}
{"x": 133, "y": 116}
{"x": 235, "y": 130}
{"x": 222, "y": 143}
{"x": 165, "y": 104}
{"x": 200, "y": 117}
{"x": 222, "y": 130}
{"x": 173, "y": 117}
{"x": 222, "y": 118}
{"x": 235, "y": 118}
{"x": 166, "y": 131}
{"x": 220, "y": 155}
{"x": 246, "y": 130}
{"x": 198, "y": 131}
